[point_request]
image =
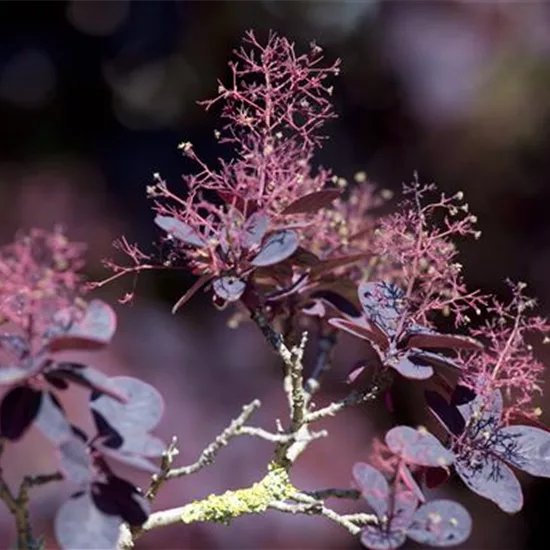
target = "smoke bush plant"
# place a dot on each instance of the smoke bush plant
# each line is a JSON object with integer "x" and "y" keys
{"x": 303, "y": 255}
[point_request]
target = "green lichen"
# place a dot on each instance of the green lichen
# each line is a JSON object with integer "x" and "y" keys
{"x": 275, "y": 486}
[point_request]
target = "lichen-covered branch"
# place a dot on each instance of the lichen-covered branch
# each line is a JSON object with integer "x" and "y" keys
{"x": 275, "y": 486}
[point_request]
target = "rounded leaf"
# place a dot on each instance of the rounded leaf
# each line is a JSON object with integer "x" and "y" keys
{"x": 373, "y": 486}
{"x": 489, "y": 477}
{"x": 18, "y": 410}
{"x": 84, "y": 375}
{"x": 94, "y": 330}
{"x": 441, "y": 523}
{"x": 130, "y": 459}
{"x": 409, "y": 367}
{"x": 277, "y": 247}
{"x": 376, "y": 538}
{"x": 142, "y": 409}
{"x": 75, "y": 461}
{"x": 80, "y": 524}
{"x": 254, "y": 230}
{"x": 142, "y": 444}
{"x": 51, "y": 419}
{"x": 229, "y": 288}
{"x": 418, "y": 447}
{"x": 490, "y": 408}
{"x": 179, "y": 230}
{"x": 526, "y": 448}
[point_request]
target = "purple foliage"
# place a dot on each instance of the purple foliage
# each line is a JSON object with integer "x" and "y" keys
{"x": 276, "y": 248}
{"x": 418, "y": 447}
{"x": 436, "y": 523}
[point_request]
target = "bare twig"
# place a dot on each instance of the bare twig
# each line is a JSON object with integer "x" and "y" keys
{"x": 209, "y": 453}
{"x": 296, "y": 397}
{"x": 165, "y": 467}
{"x": 353, "y": 522}
{"x": 379, "y": 385}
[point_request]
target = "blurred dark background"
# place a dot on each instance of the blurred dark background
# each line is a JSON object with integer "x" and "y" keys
{"x": 94, "y": 98}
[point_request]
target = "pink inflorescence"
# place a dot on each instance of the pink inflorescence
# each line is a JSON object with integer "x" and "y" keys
{"x": 40, "y": 277}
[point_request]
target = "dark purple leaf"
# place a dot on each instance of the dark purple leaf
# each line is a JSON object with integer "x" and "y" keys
{"x": 18, "y": 410}
{"x": 418, "y": 447}
{"x": 489, "y": 477}
{"x": 313, "y": 202}
{"x": 382, "y": 304}
{"x": 142, "y": 410}
{"x": 338, "y": 301}
{"x": 85, "y": 376}
{"x": 58, "y": 382}
{"x": 118, "y": 497}
{"x": 435, "y": 360}
{"x": 361, "y": 330}
{"x": 303, "y": 258}
{"x": 240, "y": 203}
{"x": 254, "y": 230}
{"x": 79, "y": 524}
{"x": 81, "y": 434}
{"x": 373, "y": 487}
{"x": 526, "y": 448}
{"x": 441, "y": 523}
{"x": 409, "y": 367}
{"x": 93, "y": 331}
{"x": 448, "y": 415}
{"x": 179, "y": 230}
{"x": 229, "y": 288}
{"x": 428, "y": 339}
{"x": 197, "y": 285}
{"x": 326, "y": 266}
{"x": 75, "y": 461}
{"x": 51, "y": 419}
{"x": 462, "y": 395}
{"x": 277, "y": 247}
{"x": 109, "y": 436}
{"x": 435, "y": 477}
